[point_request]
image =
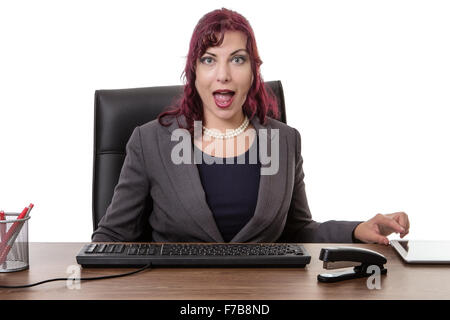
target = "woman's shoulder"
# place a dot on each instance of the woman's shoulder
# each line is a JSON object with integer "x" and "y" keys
{"x": 291, "y": 134}
{"x": 150, "y": 126}
{"x": 284, "y": 129}
{"x": 155, "y": 126}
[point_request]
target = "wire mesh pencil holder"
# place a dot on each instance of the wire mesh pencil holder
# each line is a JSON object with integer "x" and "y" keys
{"x": 14, "y": 243}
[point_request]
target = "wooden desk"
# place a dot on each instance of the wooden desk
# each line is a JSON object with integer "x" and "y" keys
{"x": 51, "y": 260}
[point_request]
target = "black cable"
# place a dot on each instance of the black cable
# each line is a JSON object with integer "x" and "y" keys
{"x": 148, "y": 266}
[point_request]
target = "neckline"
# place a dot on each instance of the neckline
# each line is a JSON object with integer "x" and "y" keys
{"x": 234, "y": 157}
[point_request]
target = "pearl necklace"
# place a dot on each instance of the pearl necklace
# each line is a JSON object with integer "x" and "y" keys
{"x": 229, "y": 134}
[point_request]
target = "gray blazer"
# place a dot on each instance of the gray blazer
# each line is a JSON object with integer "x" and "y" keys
{"x": 180, "y": 211}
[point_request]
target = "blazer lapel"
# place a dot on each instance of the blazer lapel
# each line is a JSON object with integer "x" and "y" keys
{"x": 272, "y": 187}
{"x": 188, "y": 187}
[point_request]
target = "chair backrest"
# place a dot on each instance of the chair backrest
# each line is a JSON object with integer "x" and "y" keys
{"x": 117, "y": 113}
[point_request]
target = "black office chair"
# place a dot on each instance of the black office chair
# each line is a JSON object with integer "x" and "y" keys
{"x": 117, "y": 113}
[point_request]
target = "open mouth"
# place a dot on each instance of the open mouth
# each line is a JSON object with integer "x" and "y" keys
{"x": 223, "y": 98}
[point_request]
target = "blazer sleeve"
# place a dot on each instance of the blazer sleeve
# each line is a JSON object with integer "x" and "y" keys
{"x": 299, "y": 224}
{"x": 124, "y": 219}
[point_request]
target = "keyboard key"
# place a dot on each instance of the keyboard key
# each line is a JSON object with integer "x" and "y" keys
{"x": 132, "y": 251}
{"x": 101, "y": 248}
{"x": 90, "y": 248}
{"x": 119, "y": 248}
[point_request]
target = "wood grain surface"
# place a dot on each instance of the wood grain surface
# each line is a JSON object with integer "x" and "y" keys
{"x": 52, "y": 260}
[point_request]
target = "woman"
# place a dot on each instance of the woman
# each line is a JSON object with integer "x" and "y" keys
{"x": 197, "y": 162}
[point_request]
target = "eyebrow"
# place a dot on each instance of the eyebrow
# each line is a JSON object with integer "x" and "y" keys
{"x": 234, "y": 52}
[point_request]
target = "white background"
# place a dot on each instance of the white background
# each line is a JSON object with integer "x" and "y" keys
{"x": 366, "y": 83}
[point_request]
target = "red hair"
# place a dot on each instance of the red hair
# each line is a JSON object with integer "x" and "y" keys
{"x": 209, "y": 32}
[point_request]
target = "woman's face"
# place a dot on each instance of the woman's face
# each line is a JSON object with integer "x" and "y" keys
{"x": 223, "y": 79}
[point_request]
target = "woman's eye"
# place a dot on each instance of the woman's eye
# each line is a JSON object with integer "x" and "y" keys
{"x": 206, "y": 60}
{"x": 210, "y": 60}
{"x": 239, "y": 59}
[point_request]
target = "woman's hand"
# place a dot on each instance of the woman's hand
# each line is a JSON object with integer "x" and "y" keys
{"x": 376, "y": 229}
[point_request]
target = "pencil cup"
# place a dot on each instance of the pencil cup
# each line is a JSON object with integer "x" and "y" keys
{"x": 14, "y": 243}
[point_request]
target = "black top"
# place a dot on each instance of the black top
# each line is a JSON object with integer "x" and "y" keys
{"x": 231, "y": 187}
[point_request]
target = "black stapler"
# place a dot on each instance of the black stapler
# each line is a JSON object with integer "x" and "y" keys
{"x": 344, "y": 257}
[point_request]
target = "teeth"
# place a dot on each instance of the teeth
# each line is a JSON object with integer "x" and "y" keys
{"x": 222, "y": 97}
{"x": 223, "y": 92}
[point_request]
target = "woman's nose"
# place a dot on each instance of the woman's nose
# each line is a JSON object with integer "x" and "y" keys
{"x": 223, "y": 73}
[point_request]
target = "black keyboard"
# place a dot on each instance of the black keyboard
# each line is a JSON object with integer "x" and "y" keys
{"x": 194, "y": 255}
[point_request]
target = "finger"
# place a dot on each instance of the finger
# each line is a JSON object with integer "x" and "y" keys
{"x": 391, "y": 223}
{"x": 402, "y": 219}
{"x": 402, "y": 235}
{"x": 374, "y": 237}
{"x": 383, "y": 240}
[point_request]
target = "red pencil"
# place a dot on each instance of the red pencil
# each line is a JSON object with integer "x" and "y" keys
{"x": 2, "y": 231}
{"x": 2, "y": 225}
{"x": 16, "y": 225}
